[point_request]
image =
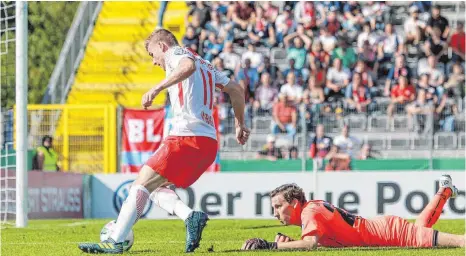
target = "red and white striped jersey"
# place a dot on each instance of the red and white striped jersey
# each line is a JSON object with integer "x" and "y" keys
{"x": 192, "y": 100}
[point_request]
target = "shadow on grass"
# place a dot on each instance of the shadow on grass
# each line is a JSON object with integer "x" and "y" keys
{"x": 263, "y": 226}
{"x": 148, "y": 251}
{"x": 324, "y": 249}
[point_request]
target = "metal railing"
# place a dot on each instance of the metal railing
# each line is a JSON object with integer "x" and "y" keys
{"x": 84, "y": 136}
{"x": 72, "y": 53}
{"x": 405, "y": 136}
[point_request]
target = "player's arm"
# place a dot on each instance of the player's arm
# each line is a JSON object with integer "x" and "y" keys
{"x": 307, "y": 41}
{"x": 288, "y": 38}
{"x": 294, "y": 118}
{"x": 40, "y": 160}
{"x": 183, "y": 71}
{"x": 236, "y": 93}
{"x": 332, "y": 152}
{"x": 313, "y": 148}
{"x": 412, "y": 97}
{"x": 308, "y": 243}
{"x": 446, "y": 32}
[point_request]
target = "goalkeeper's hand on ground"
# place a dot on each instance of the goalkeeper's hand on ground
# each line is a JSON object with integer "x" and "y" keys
{"x": 258, "y": 244}
{"x": 282, "y": 238}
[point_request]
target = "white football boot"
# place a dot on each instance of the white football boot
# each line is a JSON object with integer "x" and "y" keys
{"x": 446, "y": 182}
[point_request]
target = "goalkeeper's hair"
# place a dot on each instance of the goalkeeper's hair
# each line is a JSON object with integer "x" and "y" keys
{"x": 161, "y": 35}
{"x": 290, "y": 191}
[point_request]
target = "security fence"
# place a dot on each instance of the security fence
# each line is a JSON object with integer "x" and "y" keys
{"x": 411, "y": 131}
{"x": 83, "y": 135}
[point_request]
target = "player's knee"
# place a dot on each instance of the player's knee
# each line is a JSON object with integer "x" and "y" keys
{"x": 165, "y": 198}
{"x": 143, "y": 177}
{"x": 162, "y": 194}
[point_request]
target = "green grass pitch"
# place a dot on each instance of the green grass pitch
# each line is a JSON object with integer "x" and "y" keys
{"x": 166, "y": 237}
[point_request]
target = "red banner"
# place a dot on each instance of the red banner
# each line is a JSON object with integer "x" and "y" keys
{"x": 143, "y": 131}
{"x": 142, "y": 134}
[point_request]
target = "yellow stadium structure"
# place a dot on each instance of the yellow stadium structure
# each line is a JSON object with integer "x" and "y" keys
{"x": 116, "y": 70}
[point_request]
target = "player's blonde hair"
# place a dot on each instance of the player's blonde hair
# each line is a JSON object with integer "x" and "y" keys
{"x": 290, "y": 191}
{"x": 162, "y": 35}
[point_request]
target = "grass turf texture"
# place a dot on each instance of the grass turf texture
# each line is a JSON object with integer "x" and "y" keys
{"x": 166, "y": 237}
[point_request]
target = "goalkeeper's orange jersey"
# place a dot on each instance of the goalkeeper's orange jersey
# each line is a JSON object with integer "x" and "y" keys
{"x": 336, "y": 227}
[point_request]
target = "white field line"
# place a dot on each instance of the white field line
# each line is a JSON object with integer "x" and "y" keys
{"x": 77, "y": 223}
{"x": 47, "y": 226}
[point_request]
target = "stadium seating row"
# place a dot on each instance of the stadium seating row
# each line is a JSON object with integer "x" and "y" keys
{"x": 361, "y": 122}
{"x": 387, "y": 154}
{"x": 378, "y": 141}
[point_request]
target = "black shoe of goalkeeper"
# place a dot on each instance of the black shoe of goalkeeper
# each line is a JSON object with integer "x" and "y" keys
{"x": 109, "y": 247}
{"x": 195, "y": 224}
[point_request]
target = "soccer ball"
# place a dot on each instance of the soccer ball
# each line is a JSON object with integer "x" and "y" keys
{"x": 107, "y": 231}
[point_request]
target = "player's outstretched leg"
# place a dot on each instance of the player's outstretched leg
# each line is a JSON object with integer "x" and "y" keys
{"x": 130, "y": 212}
{"x": 432, "y": 211}
{"x": 167, "y": 199}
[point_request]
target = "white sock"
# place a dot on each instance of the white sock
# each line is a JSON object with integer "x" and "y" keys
{"x": 130, "y": 212}
{"x": 168, "y": 200}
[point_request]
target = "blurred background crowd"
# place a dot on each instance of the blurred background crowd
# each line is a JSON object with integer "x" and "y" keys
{"x": 323, "y": 80}
{"x": 362, "y": 64}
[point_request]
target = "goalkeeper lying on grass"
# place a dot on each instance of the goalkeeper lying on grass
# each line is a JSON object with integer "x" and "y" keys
{"x": 326, "y": 225}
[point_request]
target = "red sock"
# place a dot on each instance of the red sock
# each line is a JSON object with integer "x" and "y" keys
{"x": 431, "y": 213}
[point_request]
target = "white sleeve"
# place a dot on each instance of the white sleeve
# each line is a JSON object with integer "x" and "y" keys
{"x": 177, "y": 55}
{"x": 284, "y": 89}
{"x": 401, "y": 40}
{"x": 407, "y": 26}
{"x": 221, "y": 80}
{"x": 360, "y": 40}
{"x": 337, "y": 141}
{"x": 300, "y": 92}
{"x": 330, "y": 74}
{"x": 347, "y": 73}
{"x": 356, "y": 142}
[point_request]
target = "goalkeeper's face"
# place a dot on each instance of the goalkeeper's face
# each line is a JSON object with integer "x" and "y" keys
{"x": 282, "y": 210}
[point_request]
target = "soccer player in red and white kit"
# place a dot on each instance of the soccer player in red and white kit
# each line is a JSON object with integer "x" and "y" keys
{"x": 191, "y": 146}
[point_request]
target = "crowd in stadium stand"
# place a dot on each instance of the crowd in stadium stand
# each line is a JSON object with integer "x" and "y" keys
{"x": 341, "y": 58}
